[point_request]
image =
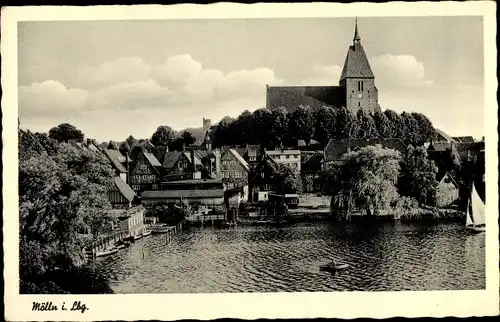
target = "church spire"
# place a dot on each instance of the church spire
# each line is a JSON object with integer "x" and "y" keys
{"x": 357, "y": 38}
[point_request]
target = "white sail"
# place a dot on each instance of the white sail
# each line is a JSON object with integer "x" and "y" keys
{"x": 469, "y": 219}
{"x": 477, "y": 208}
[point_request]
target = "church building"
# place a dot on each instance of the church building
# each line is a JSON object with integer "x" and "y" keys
{"x": 356, "y": 90}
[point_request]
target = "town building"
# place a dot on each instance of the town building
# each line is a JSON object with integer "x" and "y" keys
{"x": 262, "y": 179}
{"x": 251, "y": 153}
{"x": 131, "y": 222}
{"x": 119, "y": 162}
{"x": 335, "y": 149}
{"x": 146, "y": 172}
{"x": 290, "y": 158}
{"x": 233, "y": 169}
{"x": 447, "y": 191}
{"x": 120, "y": 195}
{"x": 311, "y": 170}
{"x": 356, "y": 90}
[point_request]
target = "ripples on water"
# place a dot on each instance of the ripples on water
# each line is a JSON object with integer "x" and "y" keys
{"x": 383, "y": 257}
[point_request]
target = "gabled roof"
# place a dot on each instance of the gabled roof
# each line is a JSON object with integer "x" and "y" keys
{"x": 356, "y": 64}
{"x": 312, "y": 161}
{"x": 152, "y": 159}
{"x": 441, "y": 175}
{"x": 468, "y": 139}
{"x": 302, "y": 143}
{"x": 115, "y": 157}
{"x": 171, "y": 158}
{"x": 335, "y": 149}
{"x": 124, "y": 189}
{"x": 440, "y": 146}
{"x": 282, "y": 152}
{"x": 159, "y": 152}
{"x": 240, "y": 159}
{"x": 197, "y": 160}
{"x": 444, "y": 136}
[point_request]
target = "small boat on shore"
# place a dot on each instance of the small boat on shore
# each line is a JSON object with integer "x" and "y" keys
{"x": 107, "y": 252}
{"x": 333, "y": 267}
{"x": 138, "y": 236}
{"x": 146, "y": 233}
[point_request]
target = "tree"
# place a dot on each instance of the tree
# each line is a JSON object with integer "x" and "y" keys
{"x": 418, "y": 175}
{"x": 287, "y": 180}
{"x": 366, "y": 178}
{"x": 163, "y": 136}
{"x": 366, "y": 127}
{"x": 187, "y": 138}
{"x": 383, "y": 125}
{"x": 130, "y": 140}
{"x": 222, "y": 134}
{"x": 302, "y": 123}
{"x": 324, "y": 124}
{"x": 261, "y": 120}
{"x": 345, "y": 124}
{"x": 427, "y": 133}
{"x": 64, "y": 132}
{"x": 279, "y": 126}
{"x": 244, "y": 130}
{"x": 60, "y": 196}
{"x": 393, "y": 127}
{"x": 112, "y": 145}
{"x": 124, "y": 148}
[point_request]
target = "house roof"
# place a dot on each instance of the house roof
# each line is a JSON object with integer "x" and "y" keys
{"x": 178, "y": 194}
{"x": 240, "y": 159}
{"x": 197, "y": 160}
{"x": 335, "y": 149}
{"x": 469, "y": 139}
{"x": 152, "y": 159}
{"x": 171, "y": 158}
{"x": 356, "y": 64}
{"x": 441, "y": 175}
{"x": 445, "y": 136}
{"x": 312, "y": 161}
{"x": 280, "y": 152}
{"x": 194, "y": 181}
{"x": 160, "y": 152}
{"x": 115, "y": 161}
{"x": 302, "y": 143}
{"x": 440, "y": 146}
{"x": 124, "y": 189}
{"x": 463, "y": 148}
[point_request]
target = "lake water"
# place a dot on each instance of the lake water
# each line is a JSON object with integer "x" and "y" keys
{"x": 382, "y": 257}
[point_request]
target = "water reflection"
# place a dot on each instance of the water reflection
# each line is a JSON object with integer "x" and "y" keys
{"x": 382, "y": 256}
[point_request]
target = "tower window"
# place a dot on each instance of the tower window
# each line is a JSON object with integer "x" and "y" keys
{"x": 359, "y": 104}
{"x": 360, "y": 86}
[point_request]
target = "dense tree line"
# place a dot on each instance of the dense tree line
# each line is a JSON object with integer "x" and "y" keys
{"x": 277, "y": 127}
{"x": 374, "y": 179}
{"x": 62, "y": 196}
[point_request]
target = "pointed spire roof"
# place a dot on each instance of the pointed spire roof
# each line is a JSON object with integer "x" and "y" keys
{"x": 356, "y": 64}
{"x": 357, "y": 38}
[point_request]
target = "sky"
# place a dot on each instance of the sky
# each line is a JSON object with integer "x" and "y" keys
{"x": 115, "y": 78}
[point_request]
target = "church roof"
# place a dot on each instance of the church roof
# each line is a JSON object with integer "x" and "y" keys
{"x": 356, "y": 64}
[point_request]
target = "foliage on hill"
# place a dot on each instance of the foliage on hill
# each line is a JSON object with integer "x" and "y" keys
{"x": 62, "y": 194}
{"x": 277, "y": 127}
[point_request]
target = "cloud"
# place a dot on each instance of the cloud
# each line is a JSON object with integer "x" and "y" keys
{"x": 177, "y": 70}
{"x": 121, "y": 70}
{"x": 49, "y": 98}
{"x": 133, "y": 95}
{"x": 323, "y": 75}
{"x": 399, "y": 71}
{"x": 176, "y": 89}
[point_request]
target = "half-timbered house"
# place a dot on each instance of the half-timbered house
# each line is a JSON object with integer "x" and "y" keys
{"x": 234, "y": 169}
{"x": 145, "y": 174}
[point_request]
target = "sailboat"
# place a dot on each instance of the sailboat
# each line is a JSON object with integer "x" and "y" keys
{"x": 475, "y": 214}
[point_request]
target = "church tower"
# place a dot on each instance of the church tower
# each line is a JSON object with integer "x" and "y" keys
{"x": 357, "y": 79}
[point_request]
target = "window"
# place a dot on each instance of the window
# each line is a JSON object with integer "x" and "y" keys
{"x": 262, "y": 174}
{"x": 267, "y": 187}
{"x": 287, "y": 156}
{"x": 359, "y": 104}
{"x": 252, "y": 158}
{"x": 136, "y": 187}
{"x": 154, "y": 187}
{"x": 360, "y": 86}
{"x": 143, "y": 167}
{"x": 185, "y": 165}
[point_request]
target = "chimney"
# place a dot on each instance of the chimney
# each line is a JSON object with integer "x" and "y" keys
{"x": 192, "y": 160}
{"x": 183, "y": 146}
